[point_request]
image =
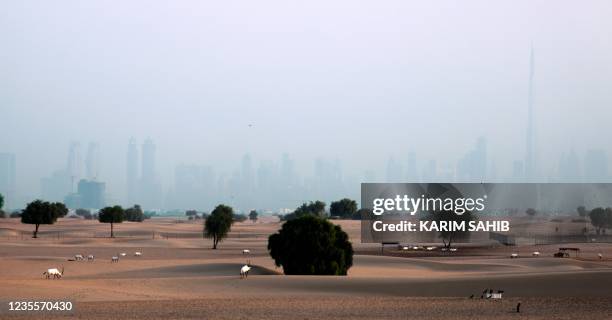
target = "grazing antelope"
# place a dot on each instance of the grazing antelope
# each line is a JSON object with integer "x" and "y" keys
{"x": 79, "y": 257}
{"x": 90, "y": 257}
{"x": 57, "y": 274}
{"x": 114, "y": 259}
{"x": 246, "y": 251}
{"x": 244, "y": 271}
{"x": 137, "y": 254}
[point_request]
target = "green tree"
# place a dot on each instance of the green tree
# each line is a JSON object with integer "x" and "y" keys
{"x": 531, "y": 212}
{"x": 316, "y": 208}
{"x": 134, "y": 214}
{"x": 448, "y": 236}
{"x": 311, "y": 245}
{"x": 219, "y": 223}
{"x": 2, "y": 214}
{"x": 345, "y": 208}
{"x": 41, "y": 212}
{"x": 253, "y": 215}
{"x": 111, "y": 215}
{"x": 601, "y": 219}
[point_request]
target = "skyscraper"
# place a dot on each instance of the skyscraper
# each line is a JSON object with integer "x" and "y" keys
{"x": 73, "y": 167}
{"x": 132, "y": 172}
{"x": 148, "y": 161}
{"x": 150, "y": 189}
{"x": 530, "y": 163}
{"x": 92, "y": 162}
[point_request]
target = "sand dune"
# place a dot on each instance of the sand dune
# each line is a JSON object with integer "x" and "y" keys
{"x": 174, "y": 271}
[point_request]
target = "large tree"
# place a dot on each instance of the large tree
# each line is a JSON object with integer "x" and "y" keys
{"x": 448, "y": 236}
{"x": 41, "y": 212}
{"x": 111, "y": 215}
{"x": 253, "y": 215}
{"x": 311, "y": 245}
{"x": 601, "y": 219}
{"x": 344, "y": 208}
{"x": 219, "y": 223}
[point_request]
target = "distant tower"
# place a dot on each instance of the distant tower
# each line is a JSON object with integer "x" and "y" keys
{"x": 530, "y": 163}
{"x": 73, "y": 167}
{"x": 132, "y": 172}
{"x": 148, "y": 161}
{"x": 92, "y": 162}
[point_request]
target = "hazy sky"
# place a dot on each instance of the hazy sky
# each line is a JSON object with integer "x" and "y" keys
{"x": 353, "y": 80}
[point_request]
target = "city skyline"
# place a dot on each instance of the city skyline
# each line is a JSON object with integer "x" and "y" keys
{"x": 334, "y": 94}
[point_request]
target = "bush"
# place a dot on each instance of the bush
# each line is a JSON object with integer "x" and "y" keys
{"x": 15, "y": 214}
{"x": 311, "y": 245}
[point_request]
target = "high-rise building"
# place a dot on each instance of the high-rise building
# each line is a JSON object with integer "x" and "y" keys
{"x": 8, "y": 181}
{"x": 148, "y": 161}
{"x": 530, "y": 161}
{"x": 150, "y": 189}
{"x": 132, "y": 173}
{"x": 74, "y": 164}
{"x": 92, "y": 161}
{"x": 91, "y": 194}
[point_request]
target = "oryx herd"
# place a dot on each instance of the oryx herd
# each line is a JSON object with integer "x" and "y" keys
{"x": 55, "y": 273}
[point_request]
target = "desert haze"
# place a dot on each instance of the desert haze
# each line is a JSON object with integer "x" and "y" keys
{"x": 179, "y": 276}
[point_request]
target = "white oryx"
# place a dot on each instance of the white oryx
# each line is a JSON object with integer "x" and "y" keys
{"x": 90, "y": 257}
{"x": 137, "y": 254}
{"x": 246, "y": 251}
{"x": 536, "y": 253}
{"x": 79, "y": 257}
{"x": 244, "y": 271}
{"x": 114, "y": 259}
{"x": 123, "y": 254}
{"x": 57, "y": 274}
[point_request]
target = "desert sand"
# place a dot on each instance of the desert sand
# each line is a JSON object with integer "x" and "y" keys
{"x": 179, "y": 276}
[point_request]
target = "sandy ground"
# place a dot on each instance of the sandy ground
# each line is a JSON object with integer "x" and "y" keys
{"x": 182, "y": 278}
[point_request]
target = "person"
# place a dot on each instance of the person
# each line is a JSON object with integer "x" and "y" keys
{"x": 518, "y": 307}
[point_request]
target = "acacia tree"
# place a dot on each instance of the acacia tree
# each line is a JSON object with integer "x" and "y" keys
{"x": 111, "y": 215}
{"x": 253, "y": 215}
{"x": 311, "y": 245}
{"x": 448, "y": 236}
{"x": 601, "y": 219}
{"x": 219, "y": 223}
{"x": 344, "y": 208}
{"x": 41, "y": 212}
